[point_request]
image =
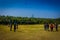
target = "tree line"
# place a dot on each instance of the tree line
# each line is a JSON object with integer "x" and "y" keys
{"x": 27, "y": 20}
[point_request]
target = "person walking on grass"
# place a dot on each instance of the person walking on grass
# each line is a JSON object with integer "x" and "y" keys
{"x": 56, "y": 26}
{"x": 51, "y": 26}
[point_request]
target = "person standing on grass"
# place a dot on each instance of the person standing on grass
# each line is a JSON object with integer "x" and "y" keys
{"x": 15, "y": 25}
{"x": 56, "y": 26}
{"x": 47, "y": 26}
{"x": 51, "y": 26}
{"x": 10, "y": 25}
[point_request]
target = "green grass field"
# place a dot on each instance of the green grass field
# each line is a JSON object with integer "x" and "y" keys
{"x": 28, "y": 32}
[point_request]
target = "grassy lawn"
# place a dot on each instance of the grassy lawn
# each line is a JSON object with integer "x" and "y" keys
{"x": 28, "y": 32}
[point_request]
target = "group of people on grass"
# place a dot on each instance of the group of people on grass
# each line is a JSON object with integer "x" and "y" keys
{"x": 15, "y": 25}
{"x": 46, "y": 26}
{"x": 51, "y": 26}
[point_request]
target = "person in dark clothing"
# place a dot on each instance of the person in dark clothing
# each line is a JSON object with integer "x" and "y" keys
{"x": 10, "y": 25}
{"x": 17, "y": 26}
{"x": 47, "y": 26}
{"x": 14, "y": 26}
{"x": 56, "y": 26}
